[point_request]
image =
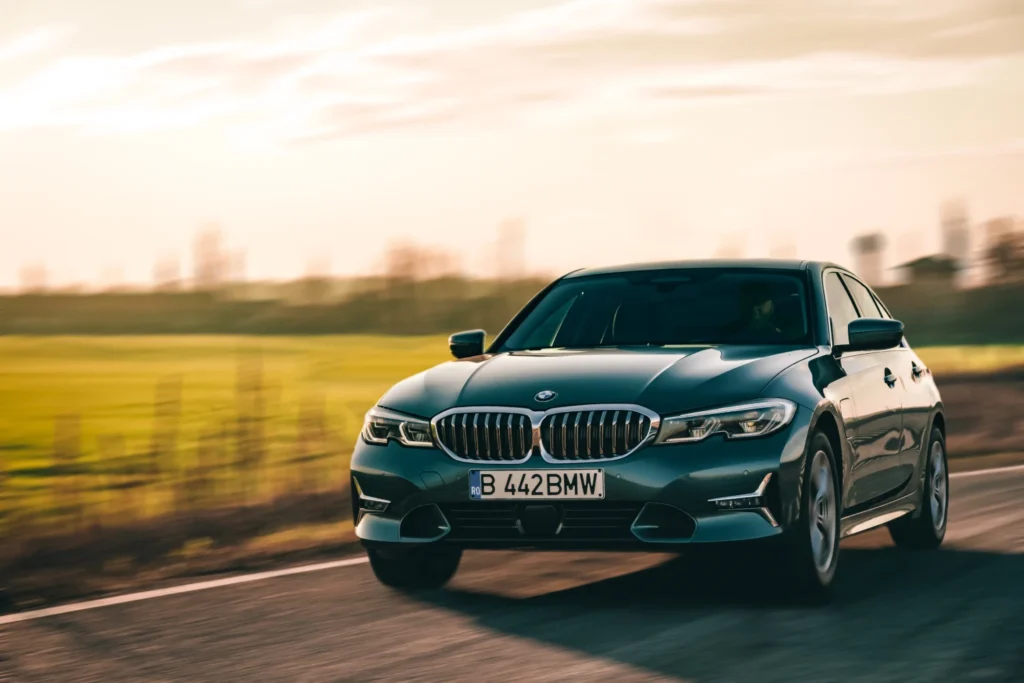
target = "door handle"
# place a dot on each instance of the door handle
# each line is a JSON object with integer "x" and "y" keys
{"x": 890, "y": 378}
{"x": 916, "y": 370}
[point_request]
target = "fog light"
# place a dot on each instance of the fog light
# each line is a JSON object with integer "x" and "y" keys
{"x": 745, "y": 502}
{"x": 755, "y": 501}
{"x": 373, "y": 504}
{"x": 369, "y": 503}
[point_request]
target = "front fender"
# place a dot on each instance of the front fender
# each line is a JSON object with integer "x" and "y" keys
{"x": 817, "y": 386}
{"x": 827, "y": 418}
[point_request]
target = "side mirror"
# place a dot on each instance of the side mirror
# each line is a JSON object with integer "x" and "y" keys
{"x": 873, "y": 334}
{"x": 467, "y": 344}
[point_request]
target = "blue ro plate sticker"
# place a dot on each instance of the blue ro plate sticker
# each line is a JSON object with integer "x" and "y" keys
{"x": 474, "y": 485}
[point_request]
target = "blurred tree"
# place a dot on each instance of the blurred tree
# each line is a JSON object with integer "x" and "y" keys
{"x": 1002, "y": 253}
{"x": 236, "y": 266}
{"x": 1005, "y": 254}
{"x": 731, "y": 246}
{"x": 315, "y": 286}
{"x": 67, "y": 451}
{"x": 112, "y": 279}
{"x": 166, "y": 424}
{"x": 6, "y": 504}
{"x": 782, "y": 246}
{"x": 250, "y": 442}
{"x": 210, "y": 263}
{"x": 167, "y": 274}
{"x": 510, "y": 249}
{"x": 33, "y": 278}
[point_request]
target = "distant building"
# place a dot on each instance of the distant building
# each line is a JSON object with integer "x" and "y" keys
{"x": 33, "y": 278}
{"x": 938, "y": 270}
{"x": 956, "y": 231}
{"x": 510, "y": 249}
{"x": 867, "y": 250}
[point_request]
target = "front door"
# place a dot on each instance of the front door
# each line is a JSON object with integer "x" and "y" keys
{"x": 876, "y": 430}
{"x": 873, "y": 406}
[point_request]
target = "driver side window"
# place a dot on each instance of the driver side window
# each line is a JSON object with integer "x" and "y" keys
{"x": 841, "y": 310}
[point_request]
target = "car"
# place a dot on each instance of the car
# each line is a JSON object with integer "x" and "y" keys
{"x": 661, "y": 407}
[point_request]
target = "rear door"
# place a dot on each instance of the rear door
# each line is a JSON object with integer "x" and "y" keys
{"x": 874, "y": 421}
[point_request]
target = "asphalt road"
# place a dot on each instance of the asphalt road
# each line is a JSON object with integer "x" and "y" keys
{"x": 956, "y": 614}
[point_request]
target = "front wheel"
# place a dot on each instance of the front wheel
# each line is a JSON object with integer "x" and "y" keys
{"x": 927, "y": 529}
{"x": 414, "y": 568}
{"x": 813, "y": 542}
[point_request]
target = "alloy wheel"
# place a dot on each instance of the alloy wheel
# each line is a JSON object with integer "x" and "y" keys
{"x": 822, "y": 512}
{"x": 938, "y": 487}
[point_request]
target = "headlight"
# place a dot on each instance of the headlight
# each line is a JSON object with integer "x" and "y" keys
{"x": 735, "y": 422}
{"x": 382, "y": 424}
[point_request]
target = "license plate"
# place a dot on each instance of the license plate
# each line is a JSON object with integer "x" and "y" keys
{"x": 536, "y": 484}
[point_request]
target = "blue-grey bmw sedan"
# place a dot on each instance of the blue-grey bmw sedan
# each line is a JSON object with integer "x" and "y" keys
{"x": 659, "y": 407}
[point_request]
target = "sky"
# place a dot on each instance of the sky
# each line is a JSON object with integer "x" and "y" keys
{"x": 616, "y": 130}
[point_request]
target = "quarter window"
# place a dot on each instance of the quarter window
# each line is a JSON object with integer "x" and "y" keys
{"x": 841, "y": 310}
{"x": 865, "y": 302}
{"x": 882, "y": 309}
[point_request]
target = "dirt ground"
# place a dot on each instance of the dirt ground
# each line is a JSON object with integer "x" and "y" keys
{"x": 982, "y": 415}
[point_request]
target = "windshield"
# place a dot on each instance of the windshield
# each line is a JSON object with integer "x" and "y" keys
{"x": 668, "y": 308}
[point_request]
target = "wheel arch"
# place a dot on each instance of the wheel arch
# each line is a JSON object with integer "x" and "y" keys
{"x": 829, "y": 423}
{"x": 826, "y": 419}
{"x": 939, "y": 420}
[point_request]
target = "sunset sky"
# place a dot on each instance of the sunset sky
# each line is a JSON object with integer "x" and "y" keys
{"x": 618, "y": 130}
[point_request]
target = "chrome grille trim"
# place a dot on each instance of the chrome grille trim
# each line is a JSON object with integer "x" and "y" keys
{"x": 496, "y": 435}
{"x": 602, "y": 438}
{"x": 598, "y": 433}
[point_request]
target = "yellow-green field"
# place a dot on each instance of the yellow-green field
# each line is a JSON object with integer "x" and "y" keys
{"x": 112, "y": 383}
{"x": 94, "y": 408}
{"x": 85, "y": 414}
{"x": 950, "y": 360}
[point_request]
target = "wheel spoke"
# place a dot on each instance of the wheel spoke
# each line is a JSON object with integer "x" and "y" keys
{"x": 821, "y": 511}
{"x": 938, "y": 498}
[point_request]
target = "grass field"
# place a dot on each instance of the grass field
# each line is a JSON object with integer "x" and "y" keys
{"x": 96, "y": 414}
{"x": 952, "y": 360}
{"x": 113, "y": 383}
{"x": 114, "y": 423}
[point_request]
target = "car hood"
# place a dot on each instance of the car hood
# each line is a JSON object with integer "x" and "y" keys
{"x": 663, "y": 380}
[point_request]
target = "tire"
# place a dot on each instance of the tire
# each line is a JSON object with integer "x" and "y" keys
{"x": 414, "y": 568}
{"x": 926, "y": 530}
{"x": 812, "y": 543}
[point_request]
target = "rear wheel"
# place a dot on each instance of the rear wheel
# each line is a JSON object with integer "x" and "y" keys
{"x": 927, "y": 529}
{"x": 813, "y": 542}
{"x": 414, "y": 568}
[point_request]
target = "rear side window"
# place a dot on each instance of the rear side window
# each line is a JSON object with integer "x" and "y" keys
{"x": 865, "y": 302}
{"x": 882, "y": 309}
{"x": 841, "y": 311}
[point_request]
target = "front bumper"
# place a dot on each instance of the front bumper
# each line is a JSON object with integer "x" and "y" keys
{"x": 659, "y": 497}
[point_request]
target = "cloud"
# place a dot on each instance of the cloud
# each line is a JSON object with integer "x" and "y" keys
{"x": 393, "y": 67}
{"x": 36, "y": 42}
{"x": 852, "y": 160}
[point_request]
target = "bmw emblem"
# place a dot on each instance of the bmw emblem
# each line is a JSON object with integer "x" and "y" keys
{"x": 545, "y": 395}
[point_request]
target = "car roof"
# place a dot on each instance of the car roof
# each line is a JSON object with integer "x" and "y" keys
{"x": 766, "y": 264}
